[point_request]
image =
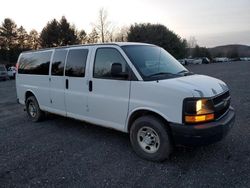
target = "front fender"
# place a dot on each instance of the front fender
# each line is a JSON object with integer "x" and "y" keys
{"x": 130, "y": 114}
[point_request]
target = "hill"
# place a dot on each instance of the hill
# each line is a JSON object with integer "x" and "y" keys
{"x": 230, "y": 51}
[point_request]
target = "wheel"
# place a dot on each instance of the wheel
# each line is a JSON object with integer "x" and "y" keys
{"x": 150, "y": 138}
{"x": 33, "y": 109}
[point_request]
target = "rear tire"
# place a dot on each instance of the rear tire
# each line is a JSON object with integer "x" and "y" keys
{"x": 33, "y": 110}
{"x": 150, "y": 138}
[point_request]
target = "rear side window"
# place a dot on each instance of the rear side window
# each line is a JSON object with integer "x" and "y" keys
{"x": 58, "y": 62}
{"x": 35, "y": 63}
{"x": 76, "y": 62}
{"x": 103, "y": 60}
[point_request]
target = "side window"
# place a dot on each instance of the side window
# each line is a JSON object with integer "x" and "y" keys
{"x": 35, "y": 63}
{"x": 58, "y": 62}
{"x": 76, "y": 62}
{"x": 104, "y": 59}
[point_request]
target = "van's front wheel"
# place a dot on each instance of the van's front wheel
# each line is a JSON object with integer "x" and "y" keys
{"x": 150, "y": 138}
{"x": 33, "y": 109}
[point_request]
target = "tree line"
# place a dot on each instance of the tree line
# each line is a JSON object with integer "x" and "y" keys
{"x": 14, "y": 39}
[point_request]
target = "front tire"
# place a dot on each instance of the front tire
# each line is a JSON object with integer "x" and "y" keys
{"x": 150, "y": 138}
{"x": 33, "y": 109}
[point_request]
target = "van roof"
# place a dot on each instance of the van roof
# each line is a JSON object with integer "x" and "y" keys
{"x": 94, "y": 44}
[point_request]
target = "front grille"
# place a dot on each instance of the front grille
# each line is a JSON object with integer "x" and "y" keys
{"x": 221, "y": 104}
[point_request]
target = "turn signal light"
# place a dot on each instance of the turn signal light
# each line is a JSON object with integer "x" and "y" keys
{"x": 199, "y": 118}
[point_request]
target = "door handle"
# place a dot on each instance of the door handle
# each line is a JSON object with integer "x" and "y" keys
{"x": 90, "y": 85}
{"x": 67, "y": 84}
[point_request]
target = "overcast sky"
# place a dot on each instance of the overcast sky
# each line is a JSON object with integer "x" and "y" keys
{"x": 212, "y": 22}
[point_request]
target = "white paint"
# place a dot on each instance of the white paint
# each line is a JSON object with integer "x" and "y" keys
{"x": 112, "y": 102}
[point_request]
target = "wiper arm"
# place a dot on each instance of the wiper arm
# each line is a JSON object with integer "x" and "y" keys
{"x": 185, "y": 72}
{"x": 162, "y": 73}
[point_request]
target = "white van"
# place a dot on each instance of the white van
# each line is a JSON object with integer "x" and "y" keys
{"x": 136, "y": 88}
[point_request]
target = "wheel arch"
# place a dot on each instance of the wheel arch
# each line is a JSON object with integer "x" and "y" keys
{"x": 29, "y": 93}
{"x": 142, "y": 112}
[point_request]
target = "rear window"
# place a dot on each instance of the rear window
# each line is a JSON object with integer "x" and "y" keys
{"x": 35, "y": 63}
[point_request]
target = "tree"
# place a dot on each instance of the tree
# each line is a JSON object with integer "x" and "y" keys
{"x": 82, "y": 37}
{"x": 33, "y": 39}
{"x": 192, "y": 42}
{"x": 111, "y": 34}
{"x": 67, "y": 33}
{"x": 8, "y": 34}
{"x": 184, "y": 51}
{"x": 102, "y": 26}
{"x": 201, "y": 52}
{"x": 49, "y": 36}
{"x": 159, "y": 35}
{"x": 58, "y": 34}
{"x": 233, "y": 53}
{"x": 93, "y": 36}
{"x": 122, "y": 35}
{"x": 22, "y": 38}
{"x": 8, "y": 38}
{"x": 196, "y": 51}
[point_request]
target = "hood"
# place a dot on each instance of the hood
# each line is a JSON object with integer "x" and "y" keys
{"x": 199, "y": 85}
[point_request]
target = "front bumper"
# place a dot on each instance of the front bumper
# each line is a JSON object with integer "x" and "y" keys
{"x": 202, "y": 134}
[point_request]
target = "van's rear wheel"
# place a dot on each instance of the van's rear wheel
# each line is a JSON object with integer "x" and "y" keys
{"x": 150, "y": 138}
{"x": 33, "y": 109}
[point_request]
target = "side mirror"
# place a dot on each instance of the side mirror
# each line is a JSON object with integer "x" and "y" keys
{"x": 116, "y": 71}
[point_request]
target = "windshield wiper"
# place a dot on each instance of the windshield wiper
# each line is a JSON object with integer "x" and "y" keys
{"x": 185, "y": 72}
{"x": 162, "y": 73}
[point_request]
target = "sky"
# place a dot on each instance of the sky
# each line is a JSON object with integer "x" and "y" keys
{"x": 211, "y": 22}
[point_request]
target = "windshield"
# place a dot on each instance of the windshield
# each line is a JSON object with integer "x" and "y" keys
{"x": 153, "y": 63}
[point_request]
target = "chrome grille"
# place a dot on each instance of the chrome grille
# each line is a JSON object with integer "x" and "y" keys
{"x": 221, "y": 104}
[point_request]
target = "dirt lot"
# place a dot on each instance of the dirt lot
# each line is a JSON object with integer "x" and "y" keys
{"x": 68, "y": 153}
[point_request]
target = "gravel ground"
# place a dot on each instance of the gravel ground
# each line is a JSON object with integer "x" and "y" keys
{"x": 61, "y": 152}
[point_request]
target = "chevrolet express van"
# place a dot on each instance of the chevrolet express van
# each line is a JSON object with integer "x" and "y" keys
{"x": 135, "y": 88}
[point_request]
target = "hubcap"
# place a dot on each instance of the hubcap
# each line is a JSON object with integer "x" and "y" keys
{"x": 32, "y": 109}
{"x": 148, "y": 139}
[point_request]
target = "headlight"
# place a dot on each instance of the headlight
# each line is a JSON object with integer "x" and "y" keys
{"x": 198, "y": 110}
